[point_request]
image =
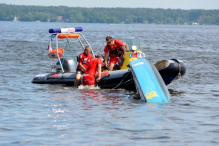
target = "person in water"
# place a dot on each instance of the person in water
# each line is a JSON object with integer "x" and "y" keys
{"x": 94, "y": 66}
{"x": 83, "y": 61}
{"x": 115, "y": 48}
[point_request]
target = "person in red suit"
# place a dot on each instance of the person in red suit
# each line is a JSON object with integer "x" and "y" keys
{"x": 94, "y": 66}
{"x": 115, "y": 49}
{"x": 84, "y": 59}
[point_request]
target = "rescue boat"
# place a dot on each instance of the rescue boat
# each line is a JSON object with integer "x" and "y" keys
{"x": 70, "y": 42}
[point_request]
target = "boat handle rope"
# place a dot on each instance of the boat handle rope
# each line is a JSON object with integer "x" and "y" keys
{"x": 130, "y": 80}
{"x": 120, "y": 82}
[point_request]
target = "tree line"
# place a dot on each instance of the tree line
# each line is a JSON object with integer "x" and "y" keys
{"x": 108, "y": 15}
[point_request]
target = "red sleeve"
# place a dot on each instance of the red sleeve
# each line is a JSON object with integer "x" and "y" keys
{"x": 119, "y": 43}
{"x": 99, "y": 62}
{"x": 80, "y": 58}
{"x": 106, "y": 49}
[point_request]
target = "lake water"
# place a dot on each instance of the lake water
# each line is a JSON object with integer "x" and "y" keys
{"x": 34, "y": 114}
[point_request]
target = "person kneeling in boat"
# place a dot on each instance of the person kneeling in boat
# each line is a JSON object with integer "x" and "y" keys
{"x": 83, "y": 61}
{"x": 115, "y": 48}
{"x": 94, "y": 66}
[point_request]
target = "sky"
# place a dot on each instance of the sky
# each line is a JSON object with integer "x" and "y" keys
{"x": 172, "y": 4}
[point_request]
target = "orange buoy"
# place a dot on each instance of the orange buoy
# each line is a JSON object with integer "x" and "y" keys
{"x": 53, "y": 53}
{"x": 71, "y": 35}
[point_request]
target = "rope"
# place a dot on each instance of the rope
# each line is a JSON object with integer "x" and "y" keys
{"x": 74, "y": 41}
{"x": 120, "y": 82}
{"x": 64, "y": 55}
{"x": 66, "y": 46}
{"x": 71, "y": 49}
{"x": 130, "y": 80}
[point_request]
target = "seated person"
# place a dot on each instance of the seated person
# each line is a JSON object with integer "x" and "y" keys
{"x": 94, "y": 66}
{"x": 115, "y": 48}
{"x": 84, "y": 59}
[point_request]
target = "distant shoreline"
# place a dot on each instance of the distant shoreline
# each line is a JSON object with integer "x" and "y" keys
{"x": 109, "y": 15}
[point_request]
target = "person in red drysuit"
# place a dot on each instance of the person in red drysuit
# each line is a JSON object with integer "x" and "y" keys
{"x": 94, "y": 66}
{"x": 115, "y": 48}
{"x": 84, "y": 59}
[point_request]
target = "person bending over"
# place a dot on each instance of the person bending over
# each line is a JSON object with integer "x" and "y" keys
{"x": 94, "y": 66}
{"x": 115, "y": 48}
{"x": 84, "y": 59}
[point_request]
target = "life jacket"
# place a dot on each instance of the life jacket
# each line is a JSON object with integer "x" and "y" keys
{"x": 116, "y": 52}
{"x": 53, "y": 53}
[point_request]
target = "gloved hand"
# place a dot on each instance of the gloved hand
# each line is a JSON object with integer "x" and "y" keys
{"x": 120, "y": 53}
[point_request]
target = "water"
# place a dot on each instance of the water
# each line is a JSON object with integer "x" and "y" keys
{"x": 35, "y": 114}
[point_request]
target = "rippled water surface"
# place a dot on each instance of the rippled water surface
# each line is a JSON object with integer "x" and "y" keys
{"x": 35, "y": 114}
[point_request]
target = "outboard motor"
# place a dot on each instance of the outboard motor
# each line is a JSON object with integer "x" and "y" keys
{"x": 170, "y": 70}
{"x": 69, "y": 65}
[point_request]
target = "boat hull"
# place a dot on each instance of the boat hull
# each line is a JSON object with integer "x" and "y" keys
{"x": 122, "y": 79}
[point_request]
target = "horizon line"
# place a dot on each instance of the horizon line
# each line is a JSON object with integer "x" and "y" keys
{"x": 108, "y": 7}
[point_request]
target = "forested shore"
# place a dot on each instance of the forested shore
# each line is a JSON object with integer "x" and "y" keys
{"x": 108, "y": 15}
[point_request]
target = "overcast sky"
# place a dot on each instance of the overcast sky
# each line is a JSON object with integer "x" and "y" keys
{"x": 173, "y": 4}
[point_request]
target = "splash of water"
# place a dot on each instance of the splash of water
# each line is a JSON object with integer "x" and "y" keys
{"x": 88, "y": 87}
